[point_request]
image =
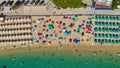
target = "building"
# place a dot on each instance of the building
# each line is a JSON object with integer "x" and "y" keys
{"x": 103, "y": 4}
{"x": 118, "y": 6}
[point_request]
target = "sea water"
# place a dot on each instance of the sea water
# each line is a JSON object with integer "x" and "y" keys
{"x": 68, "y": 59}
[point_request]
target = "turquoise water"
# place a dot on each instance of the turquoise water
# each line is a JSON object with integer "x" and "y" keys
{"x": 68, "y": 59}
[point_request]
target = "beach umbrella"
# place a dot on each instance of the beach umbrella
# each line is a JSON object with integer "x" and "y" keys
{"x": 116, "y": 36}
{"x": 71, "y": 25}
{"x": 99, "y": 29}
{"x": 114, "y": 24}
{"x": 67, "y": 33}
{"x": 118, "y": 19}
{"x": 79, "y": 27}
{"x": 95, "y": 35}
{"x": 43, "y": 42}
{"x": 99, "y": 41}
{"x": 76, "y": 41}
{"x": 103, "y": 36}
{"x": 118, "y": 24}
{"x": 50, "y": 27}
{"x": 78, "y": 32}
{"x": 103, "y": 41}
{"x": 111, "y": 30}
{"x": 99, "y": 35}
{"x": 116, "y": 41}
{"x": 106, "y": 24}
{"x": 52, "y": 22}
{"x": 100, "y": 23}
{"x": 117, "y": 30}
{"x": 95, "y": 41}
{"x": 46, "y": 36}
{"x": 96, "y": 18}
{"x": 113, "y": 41}
{"x": 103, "y": 18}
{"x": 34, "y": 38}
{"x": 110, "y": 41}
{"x": 64, "y": 24}
{"x": 95, "y": 29}
{"x": 111, "y": 18}
{"x": 114, "y": 18}
{"x": 96, "y": 23}
{"x": 103, "y": 23}
{"x": 75, "y": 18}
{"x": 110, "y": 35}
{"x": 103, "y": 29}
{"x": 106, "y": 29}
{"x": 106, "y": 36}
{"x": 51, "y": 36}
{"x": 60, "y": 39}
{"x": 107, "y": 18}
{"x": 70, "y": 40}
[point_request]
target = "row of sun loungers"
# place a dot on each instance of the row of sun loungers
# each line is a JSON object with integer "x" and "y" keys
{"x": 16, "y": 32}
{"x": 107, "y": 30}
{"x": 104, "y": 17}
{"x": 22, "y": 2}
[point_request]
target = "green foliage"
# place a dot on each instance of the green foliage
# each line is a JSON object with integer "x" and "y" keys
{"x": 68, "y": 3}
{"x": 115, "y": 3}
{"x": 15, "y": 6}
{"x": 118, "y": 2}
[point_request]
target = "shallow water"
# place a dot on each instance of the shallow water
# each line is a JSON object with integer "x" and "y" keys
{"x": 61, "y": 59}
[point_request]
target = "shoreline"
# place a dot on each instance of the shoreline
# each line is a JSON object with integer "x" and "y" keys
{"x": 77, "y": 48}
{"x": 60, "y": 54}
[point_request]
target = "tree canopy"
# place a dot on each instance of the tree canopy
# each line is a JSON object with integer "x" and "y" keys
{"x": 69, "y": 3}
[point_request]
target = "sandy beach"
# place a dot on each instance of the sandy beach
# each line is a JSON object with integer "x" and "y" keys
{"x": 64, "y": 40}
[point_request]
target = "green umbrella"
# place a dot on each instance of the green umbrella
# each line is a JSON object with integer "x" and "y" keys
{"x": 50, "y": 27}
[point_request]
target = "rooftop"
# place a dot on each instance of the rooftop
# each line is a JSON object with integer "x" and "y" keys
{"x": 105, "y": 2}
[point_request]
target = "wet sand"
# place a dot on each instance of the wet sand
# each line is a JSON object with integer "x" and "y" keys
{"x": 43, "y": 48}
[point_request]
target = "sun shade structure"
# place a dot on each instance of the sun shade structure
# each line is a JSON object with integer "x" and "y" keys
{"x": 50, "y": 27}
{"x": 76, "y": 41}
{"x": 67, "y": 33}
{"x": 106, "y": 29}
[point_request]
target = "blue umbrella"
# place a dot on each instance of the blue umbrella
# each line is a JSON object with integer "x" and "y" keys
{"x": 78, "y": 32}
{"x": 46, "y": 36}
{"x": 75, "y": 18}
{"x": 79, "y": 27}
{"x": 60, "y": 39}
{"x": 67, "y": 33}
{"x": 51, "y": 36}
{"x": 76, "y": 41}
